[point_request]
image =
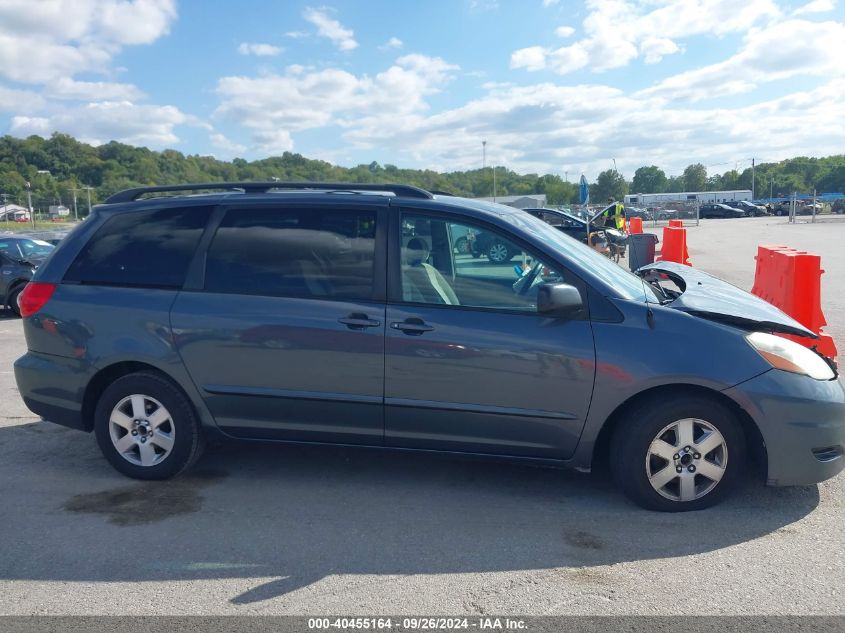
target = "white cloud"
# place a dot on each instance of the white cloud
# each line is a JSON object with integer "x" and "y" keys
{"x": 787, "y": 49}
{"x": 259, "y": 50}
{"x": 274, "y": 106}
{"x": 392, "y": 43}
{"x": 12, "y": 100}
{"x": 619, "y": 31}
{"x": 656, "y": 48}
{"x": 101, "y": 122}
{"x": 67, "y": 88}
{"x": 296, "y": 35}
{"x": 48, "y": 40}
{"x": 816, "y": 6}
{"x": 331, "y": 29}
{"x": 532, "y": 58}
{"x": 220, "y": 141}
{"x": 550, "y": 3}
{"x": 564, "y": 31}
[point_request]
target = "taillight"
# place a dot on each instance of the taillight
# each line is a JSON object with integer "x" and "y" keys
{"x": 34, "y": 296}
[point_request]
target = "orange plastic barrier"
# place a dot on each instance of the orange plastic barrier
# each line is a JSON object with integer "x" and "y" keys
{"x": 790, "y": 280}
{"x": 635, "y": 225}
{"x": 678, "y": 223}
{"x": 675, "y": 245}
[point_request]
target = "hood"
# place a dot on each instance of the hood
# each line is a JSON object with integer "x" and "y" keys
{"x": 711, "y": 298}
{"x": 33, "y": 260}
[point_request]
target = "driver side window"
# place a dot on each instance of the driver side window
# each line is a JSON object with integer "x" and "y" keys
{"x": 464, "y": 264}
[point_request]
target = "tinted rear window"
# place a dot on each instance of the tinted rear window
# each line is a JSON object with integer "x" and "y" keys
{"x": 320, "y": 253}
{"x": 145, "y": 248}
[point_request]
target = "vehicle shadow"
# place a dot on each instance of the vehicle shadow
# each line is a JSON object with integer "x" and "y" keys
{"x": 285, "y": 517}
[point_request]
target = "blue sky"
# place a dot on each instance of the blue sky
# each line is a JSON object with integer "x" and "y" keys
{"x": 553, "y": 86}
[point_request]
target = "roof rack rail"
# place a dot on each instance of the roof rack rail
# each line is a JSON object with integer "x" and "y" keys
{"x": 129, "y": 195}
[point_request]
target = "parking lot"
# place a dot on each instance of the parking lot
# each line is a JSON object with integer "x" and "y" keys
{"x": 292, "y": 530}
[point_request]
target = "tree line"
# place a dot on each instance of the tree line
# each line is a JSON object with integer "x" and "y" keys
{"x": 58, "y": 166}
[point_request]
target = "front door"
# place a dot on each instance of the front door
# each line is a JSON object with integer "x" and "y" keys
{"x": 286, "y": 337}
{"x": 470, "y": 365}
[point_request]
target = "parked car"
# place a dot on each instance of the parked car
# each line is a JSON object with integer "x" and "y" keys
{"x": 808, "y": 208}
{"x": 20, "y": 255}
{"x": 838, "y": 206}
{"x": 489, "y": 245}
{"x": 782, "y": 208}
{"x": 718, "y": 210}
{"x": 636, "y": 212}
{"x": 802, "y": 207}
{"x": 750, "y": 209}
{"x": 266, "y": 312}
{"x": 577, "y": 228}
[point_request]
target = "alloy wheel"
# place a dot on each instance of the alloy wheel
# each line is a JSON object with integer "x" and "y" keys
{"x": 498, "y": 253}
{"x": 686, "y": 460}
{"x": 141, "y": 430}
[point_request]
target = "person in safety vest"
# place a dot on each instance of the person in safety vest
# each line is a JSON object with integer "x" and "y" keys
{"x": 614, "y": 215}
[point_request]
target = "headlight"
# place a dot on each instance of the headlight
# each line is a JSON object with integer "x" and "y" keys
{"x": 781, "y": 353}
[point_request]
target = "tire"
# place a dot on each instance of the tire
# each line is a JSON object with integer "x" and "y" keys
{"x": 462, "y": 246}
{"x": 180, "y": 431}
{"x": 637, "y": 439}
{"x": 14, "y": 301}
{"x": 499, "y": 253}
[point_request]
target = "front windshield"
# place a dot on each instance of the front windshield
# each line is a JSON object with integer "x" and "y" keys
{"x": 628, "y": 285}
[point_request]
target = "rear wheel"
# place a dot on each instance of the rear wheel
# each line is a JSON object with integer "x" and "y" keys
{"x": 146, "y": 427}
{"x": 677, "y": 454}
{"x": 462, "y": 246}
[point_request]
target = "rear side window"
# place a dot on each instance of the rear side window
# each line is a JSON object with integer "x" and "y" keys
{"x": 319, "y": 253}
{"x": 145, "y": 248}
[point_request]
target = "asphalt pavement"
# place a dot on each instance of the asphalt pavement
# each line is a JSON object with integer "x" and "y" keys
{"x": 258, "y": 529}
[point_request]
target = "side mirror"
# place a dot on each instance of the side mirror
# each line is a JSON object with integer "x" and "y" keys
{"x": 559, "y": 300}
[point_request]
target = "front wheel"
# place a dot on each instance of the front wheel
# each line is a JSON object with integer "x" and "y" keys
{"x": 146, "y": 427}
{"x": 677, "y": 454}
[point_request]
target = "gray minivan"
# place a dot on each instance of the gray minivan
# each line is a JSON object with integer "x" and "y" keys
{"x": 347, "y": 314}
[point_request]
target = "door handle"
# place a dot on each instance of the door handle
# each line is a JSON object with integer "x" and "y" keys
{"x": 412, "y": 326}
{"x": 358, "y": 321}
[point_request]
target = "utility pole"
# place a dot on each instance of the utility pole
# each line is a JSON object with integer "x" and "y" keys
{"x": 566, "y": 176}
{"x": 29, "y": 202}
{"x": 86, "y": 189}
{"x": 772, "y": 187}
{"x": 752, "y": 179}
{"x": 494, "y": 184}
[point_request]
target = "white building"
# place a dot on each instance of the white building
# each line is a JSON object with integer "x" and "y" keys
{"x": 13, "y": 213}
{"x": 649, "y": 199}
